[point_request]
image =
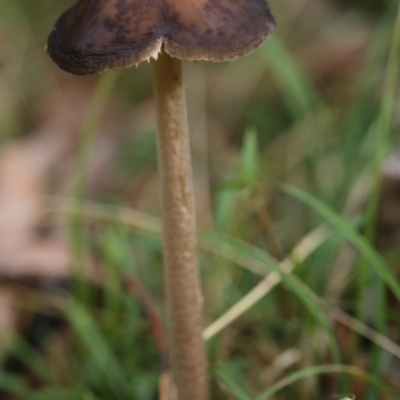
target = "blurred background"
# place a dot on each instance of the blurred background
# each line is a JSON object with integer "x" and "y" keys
{"x": 81, "y": 282}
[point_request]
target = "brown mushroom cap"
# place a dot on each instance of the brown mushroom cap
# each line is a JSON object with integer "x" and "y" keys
{"x": 96, "y": 35}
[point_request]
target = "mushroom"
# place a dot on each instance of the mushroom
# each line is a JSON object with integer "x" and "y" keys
{"x": 96, "y": 35}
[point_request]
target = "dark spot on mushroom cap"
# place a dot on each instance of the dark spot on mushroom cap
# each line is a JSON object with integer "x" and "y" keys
{"x": 96, "y": 35}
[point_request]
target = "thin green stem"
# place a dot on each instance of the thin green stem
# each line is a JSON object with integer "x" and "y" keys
{"x": 86, "y": 138}
{"x": 381, "y": 147}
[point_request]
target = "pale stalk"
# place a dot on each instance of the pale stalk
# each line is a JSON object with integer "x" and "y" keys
{"x": 182, "y": 282}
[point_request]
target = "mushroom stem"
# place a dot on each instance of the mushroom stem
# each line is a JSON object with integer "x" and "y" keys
{"x": 182, "y": 282}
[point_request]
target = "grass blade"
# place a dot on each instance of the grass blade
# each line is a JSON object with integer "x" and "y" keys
{"x": 298, "y": 288}
{"x": 233, "y": 386}
{"x": 106, "y": 363}
{"x": 360, "y": 243}
{"x": 324, "y": 369}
